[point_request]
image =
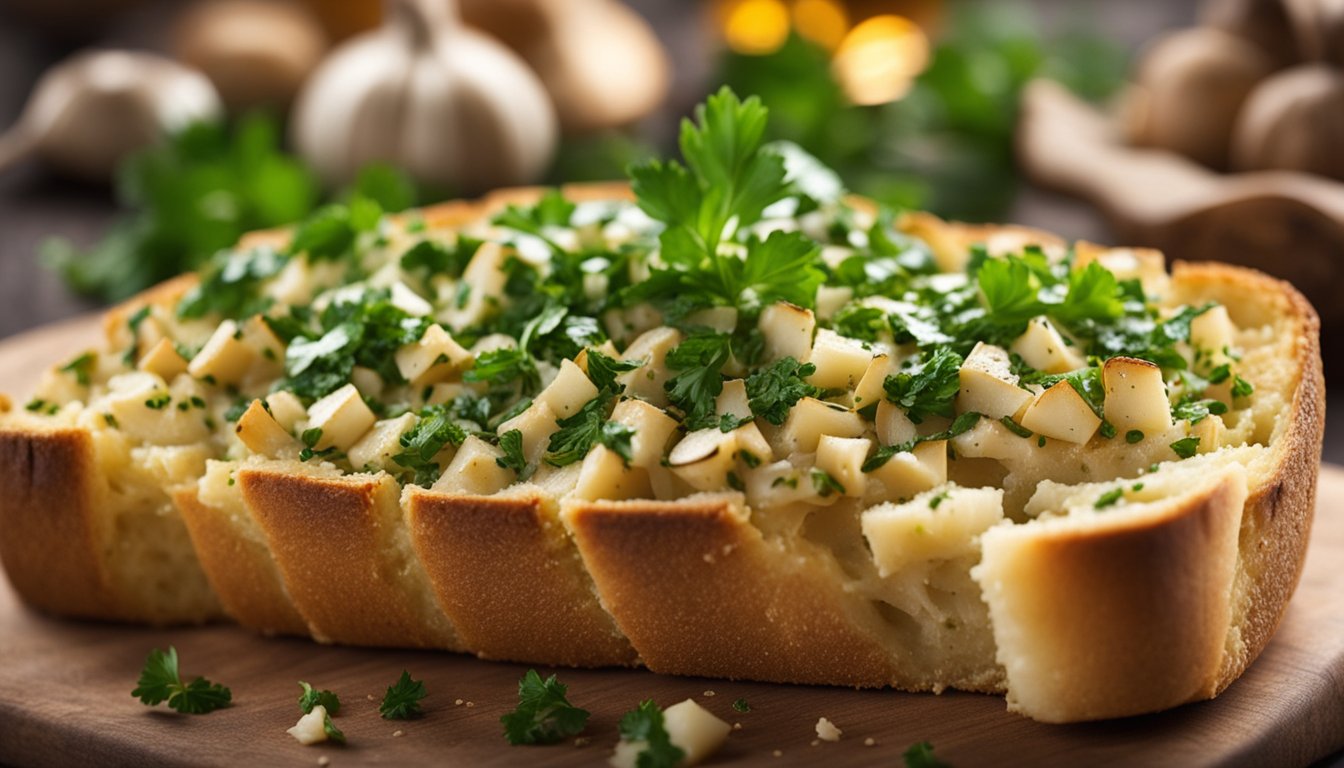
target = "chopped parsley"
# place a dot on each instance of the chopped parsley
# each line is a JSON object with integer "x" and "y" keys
{"x": 511, "y": 443}
{"x": 1109, "y": 498}
{"x": 435, "y": 431}
{"x": 645, "y": 725}
{"x": 741, "y": 705}
{"x": 160, "y": 681}
{"x": 920, "y": 755}
{"x": 1133, "y": 436}
{"x": 824, "y": 484}
{"x": 775, "y": 389}
{"x": 1186, "y": 447}
{"x": 588, "y": 427}
{"x": 543, "y": 715}
{"x": 158, "y": 401}
{"x": 311, "y": 697}
{"x": 929, "y": 388}
{"x": 700, "y": 360}
{"x": 402, "y": 700}
{"x": 1242, "y": 388}
{"x": 82, "y": 367}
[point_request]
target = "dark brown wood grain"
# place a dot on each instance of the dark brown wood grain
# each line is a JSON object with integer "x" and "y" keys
{"x": 65, "y": 691}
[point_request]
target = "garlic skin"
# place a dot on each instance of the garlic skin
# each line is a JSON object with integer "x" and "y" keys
{"x": 90, "y": 111}
{"x": 450, "y": 106}
{"x": 1293, "y": 121}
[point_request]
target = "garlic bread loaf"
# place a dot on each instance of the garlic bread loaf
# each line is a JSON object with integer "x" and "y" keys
{"x": 724, "y": 421}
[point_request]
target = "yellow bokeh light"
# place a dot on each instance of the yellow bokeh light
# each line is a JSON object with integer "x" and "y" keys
{"x": 879, "y": 59}
{"x": 822, "y": 21}
{"x": 754, "y": 27}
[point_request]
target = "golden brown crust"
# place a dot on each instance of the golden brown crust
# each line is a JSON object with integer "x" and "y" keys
{"x": 242, "y": 572}
{"x": 332, "y": 540}
{"x": 699, "y": 592}
{"x": 52, "y": 544}
{"x": 1276, "y": 523}
{"x": 511, "y": 581}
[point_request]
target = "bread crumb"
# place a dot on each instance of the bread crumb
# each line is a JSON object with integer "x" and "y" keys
{"x": 870, "y": 741}
{"x": 709, "y": 557}
{"x": 816, "y": 742}
{"x": 582, "y": 741}
{"x": 398, "y": 732}
{"x": 737, "y": 726}
{"x": 709, "y": 693}
{"x": 324, "y": 760}
{"x": 470, "y": 704}
{"x": 777, "y": 753}
{"x": 458, "y": 703}
{"x": 371, "y": 698}
{"x": 827, "y": 731}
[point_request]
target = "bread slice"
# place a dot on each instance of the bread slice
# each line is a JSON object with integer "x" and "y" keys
{"x": 1008, "y": 579}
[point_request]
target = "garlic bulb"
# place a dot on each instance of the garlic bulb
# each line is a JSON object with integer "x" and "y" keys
{"x": 90, "y": 111}
{"x": 1191, "y": 85}
{"x": 1294, "y": 121}
{"x": 449, "y": 105}
{"x": 256, "y": 52}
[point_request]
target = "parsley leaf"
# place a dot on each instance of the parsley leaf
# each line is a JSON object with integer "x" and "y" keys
{"x": 1186, "y": 447}
{"x": 230, "y": 284}
{"x": 741, "y": 705}
{"x": 82, "y": 367}
{"x": 920, "y": 755}
{"x": 511, "y": 443}
{"x": 700, "y": 360}
{"x": 588, "y": 427}
{"x": 603, "y": 370}
{"x": 431, "y": 434}
{"x": 505, "y": 366}
{"x": 773, "y": 390}
{"x": 1194, "y": 410}
{"x": 824, "y": 484}
{"x": 929, "y": 388}
{"x": 333, "y": 733}
{"x": 1242, "y": 388}
{"x": 312, "y": 697}
{"x": 1109, "y": 498}
{"x": 645, "y": 724}
{"x": 160, "y": 681}
{"x": 402, "y": 700}
{"x": 544, "y": 715}
{"x": 432, "y": 258}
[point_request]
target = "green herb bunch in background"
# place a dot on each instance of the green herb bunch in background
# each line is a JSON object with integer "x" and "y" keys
{"x": 947, "y": 144}
{"x": 197, "y": 193}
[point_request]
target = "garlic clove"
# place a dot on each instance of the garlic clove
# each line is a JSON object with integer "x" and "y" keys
{"x": 1193, "y": 84}
{"x": 1293, "y": 121}
{"x": 88, "y": 112}
{"x": 256, "y": 53}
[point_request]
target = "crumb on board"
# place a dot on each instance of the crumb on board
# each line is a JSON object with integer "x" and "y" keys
{"x": 582, "y": 741}
{"x": 458, "y": 703}
{"x": 826, "y": 730}
{"x": 869, "y": 742}
{"x": 324, "y": 760}
{"x": 470, "y": 704}
{"x": 709, "y": 693}
{"x": 398, "y": 732}
{"x": 778, "y": 753}
{"x": 737, "y": 726}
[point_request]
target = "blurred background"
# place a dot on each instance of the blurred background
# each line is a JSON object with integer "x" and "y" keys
{"x": 143, "y": 135}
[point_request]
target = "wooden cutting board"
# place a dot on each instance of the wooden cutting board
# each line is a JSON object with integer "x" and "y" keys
{"x": 65, "y": 690}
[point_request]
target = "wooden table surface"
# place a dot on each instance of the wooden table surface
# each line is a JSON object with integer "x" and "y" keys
{"x": 65, "y": 690}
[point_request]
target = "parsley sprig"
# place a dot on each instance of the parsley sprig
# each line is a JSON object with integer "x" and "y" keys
{"x": 402, "y": 700}
{"x": 160, "y": 681}
{"x": 543, "y": 715}
{"x": 728, "y": 180}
